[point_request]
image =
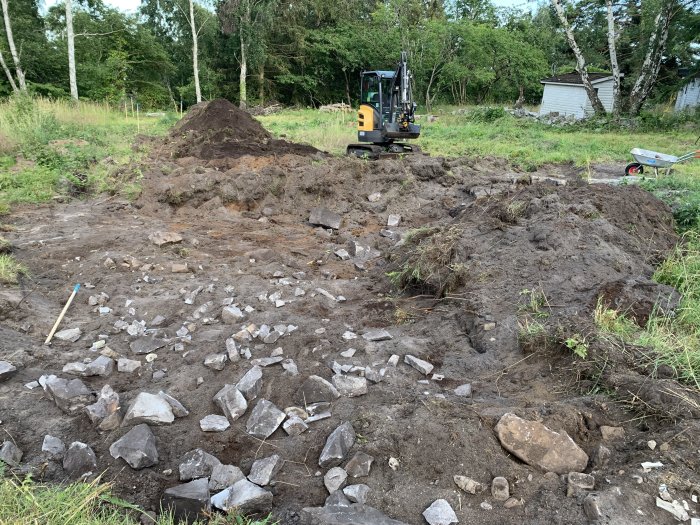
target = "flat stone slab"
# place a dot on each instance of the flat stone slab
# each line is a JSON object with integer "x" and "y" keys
{"x": 440, "y": 513}
{"x": 197, "y": 464}
{"x": 338, "y": 443}
{"x": 539, "y": 446}
{"x": 223, "y": 476}
{"x": 149, "y": 408}
{"x": 419, "y": 364}
{"x": 315, "y": 390}
{"x": 353, "y": 514}
{"x": 231, "y": 402}
{"x": 325, "y": 217}
{"x": 263, "y": 470}
{"x": 160, "y": 238}
{"x": 264, "y": 419}
{"x": 377, "y": 335}
{"x": 69, "y": 395}
{"x": 250, "y": 384}
{"x": 69, "y": 334}
{"x": 146, "y": 345}
{"x": 245, "y": 497}
{"x": 189, "y": 501}
{"x": 360, "y": 465}
{"x": 350, "y": 386}
{"x": 137, "y": 447}
{"x": 7, "y": 370}
{"x": 214, "y": 423}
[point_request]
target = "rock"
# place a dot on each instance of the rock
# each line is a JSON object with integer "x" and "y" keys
{"x": 101, "y": 366}
{"x": 214, "y": 423}
{"x": 231, "y": 402}
{"x": 137, "y": 447}
{"x": 231, "y": 314}
{"x": 464, "y": 390}
{"x": 187, "y": 502}
{"x": 350, "y": 386}
{"x": 338, "y": 443}
{"x": 469, "y": 485}
{"x": 356, "y": 493}
{"x": 295, "y": 426}
{"x": 290, "y": 367}
{"x": 374, "y": 375}
{"x": 266, "y": 361}
{"x": 264, "y": 419}
{"x": 178, "y": 409}
{"x": 591, "y": 508}
{"x": 342, "y": 254}
{"x": 335, "y": 479}
{"x": 127, "y": 365}
{"x": 600, "y": 457}
{"x": 377, "y": 335}
{"x": 325, "y": 217}
{"x": 513, "y": 502}
{"x": 314, "y": 390}
{"x": 146, "y": 345}
{"x": 79, "y": 459}
{"x": 374, "y": 197}
{"x": 161, "y": 238}
{"x": 440, "y": 513}
{"x": 149, "y": 408}
{"x": 578, "y": 483}
{"x": 250, "y": 384}
{"x": 10, "y": 454}
{"x": 612, "y": 433}
{"x": 245, "y": 497}
{"x": 179, "y": 268}
{"x": 537, "y": 445}
{"x": 422, "y": 366}
{"x": 69, "y": 395}
{"x": 500, "y": 489}
{"x": 606, "y": 504}
{"x": 7, "y": 370}
{"x": 337, "y": 498}
{"x": 104, "y": 413}
{"x": 393, "y": 221}
{"x": 223, "y": 476}
{"x": 215, "y": 361}
{"x": 197, "y": 464}
{"x": 53, "y": 447}
{"x": 354, "y": 514}
{"x": 360, "y": 465}
{"x": 263, "y": 470}
{"x": 675, "y": 508}
{"x": 69, "y": 334}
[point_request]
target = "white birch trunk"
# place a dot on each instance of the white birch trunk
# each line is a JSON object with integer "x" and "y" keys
{"x": 580, "y": 61}
{"x": 70, "y": 37}
{"x": 195, "y": 54}
{"x": 242, "y": 83}
{"x": 13, "y": 49}
{"x": 612, "y": 48}
{"x": 8, "y": 73}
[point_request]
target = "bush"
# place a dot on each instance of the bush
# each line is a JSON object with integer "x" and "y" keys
{"x": 487, "y": 114}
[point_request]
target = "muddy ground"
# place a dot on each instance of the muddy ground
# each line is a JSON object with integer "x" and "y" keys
{"x": 497, "y": 251}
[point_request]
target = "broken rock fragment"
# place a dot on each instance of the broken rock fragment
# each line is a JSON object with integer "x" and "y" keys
{"x": 245, "y": 497}
{"x": 127, "y": 365}
{"x": 231, "y": 402}
{"x": 104, "y": 413}
{"x": 146, "y": 345}
{"x": 214, "y": 423}
{"x": 264, "y": 419}
{"x": 10, "y": 454}
{"x": 53, "y": 447}
{"x": 250, "y": 384}
{"x": 79, "y": 459}
{"x": 422, "y": 366}
{"x": 69, "y": 395}
{"x": 263, "y": 470}
{"x": 440, "y": 513}
{"x": 338, "y": 443}
{"x": 468, "y": 485}
{"x": 189, "y": 501}
{"x": 160, "y": 238}
{"x": 360, "y": 465}
{"x": 356, "y": 493}
{"x": 223, "y": 476}
{"x": 315, "y": 390}
{"x": 335, "y": 479}
{"x": 149, "y": 408}
{"x": 537, "y": 445}
{"x": 500, "y": 490}
{"x": 325, "y": 217}
{"x": 69, "y": 334}
{"x": 352, "y": 514}
{"x": 350, "y": 386}
{"x": 295, "y": 426}
{"x": 578, "y": 483}
{"x": 7, "y": 370}
{"x": 197, "y": 464}
{"x": 377, "y": 335}
{"x": 137, "y": 447}
{"x": 215, "y": 361}
{"x": 178, "y": 408}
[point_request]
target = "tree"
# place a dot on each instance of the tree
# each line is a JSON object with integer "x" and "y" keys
{"x": 612, "y": 47}
{"x": 8, "y": 74}
{"x": 13, "y": 50}
{"x": 195, "y": 53}
{"x": 70, "y": 37}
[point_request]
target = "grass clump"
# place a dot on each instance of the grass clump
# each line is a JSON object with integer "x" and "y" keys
{"x": 10, "y": 269}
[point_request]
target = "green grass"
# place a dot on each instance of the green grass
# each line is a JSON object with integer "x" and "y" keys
{"x": 10, "y": 269}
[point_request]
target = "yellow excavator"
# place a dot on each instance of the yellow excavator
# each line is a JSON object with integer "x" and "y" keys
{"x": 386, "y": 117}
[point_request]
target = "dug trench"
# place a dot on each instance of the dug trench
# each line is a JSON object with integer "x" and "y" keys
{"x": 245, "y": 251}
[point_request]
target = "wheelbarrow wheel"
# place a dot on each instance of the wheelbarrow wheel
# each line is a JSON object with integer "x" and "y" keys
{"x": 634, "y": 168}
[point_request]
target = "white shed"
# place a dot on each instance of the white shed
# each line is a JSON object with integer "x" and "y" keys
{"x": 564, "y": 94}
{"x": 689, "y": 95}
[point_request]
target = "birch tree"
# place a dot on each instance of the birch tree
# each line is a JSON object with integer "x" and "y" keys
{"x": 8, "y": 74}
{"x": 70, "y": 38}
{"x": 580, "y": 60}
{"x": 612, "y": 48}
{"x": 195, "y": 47}
{"x": 13, "y": 49}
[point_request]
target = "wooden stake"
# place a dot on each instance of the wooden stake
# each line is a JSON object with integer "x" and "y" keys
{"x": 63, "y": 312}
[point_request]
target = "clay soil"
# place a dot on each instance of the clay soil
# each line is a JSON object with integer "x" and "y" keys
{"x": 493, "y": 240}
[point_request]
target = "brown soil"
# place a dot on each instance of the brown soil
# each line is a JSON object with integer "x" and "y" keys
{"x": 492, "y": 238}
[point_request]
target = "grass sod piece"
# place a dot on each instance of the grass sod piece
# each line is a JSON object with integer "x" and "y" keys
{"x": 10, "y": 269}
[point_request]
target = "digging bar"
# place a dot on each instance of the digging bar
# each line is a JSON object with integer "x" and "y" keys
{"x": 63, "y": 312}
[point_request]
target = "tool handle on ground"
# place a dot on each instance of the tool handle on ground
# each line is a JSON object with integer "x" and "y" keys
{"x": 63, "y": 312}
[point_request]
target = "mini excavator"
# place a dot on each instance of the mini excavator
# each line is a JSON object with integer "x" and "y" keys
{"x": 387, "y": 113}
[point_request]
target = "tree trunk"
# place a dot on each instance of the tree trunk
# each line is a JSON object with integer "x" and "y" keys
{"x": 8, "y": 73}
{"x": 195, "y": 55}
{"x": 612, "y": 47}
{"x": 261, "y": 87}
{"x": 70, "y": 36}
{"x": 13, "y": 49}
{"x": 521, "y": 98}
{"x": 652, "y": 61}
{"x": 243, "y": 27}
{"x": 580, "y": 61}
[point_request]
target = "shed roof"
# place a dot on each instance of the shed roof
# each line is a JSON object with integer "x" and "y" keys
{"x": 575, "y": 78}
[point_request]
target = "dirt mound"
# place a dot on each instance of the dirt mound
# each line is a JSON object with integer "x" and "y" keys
{"x": 218, "y": 115}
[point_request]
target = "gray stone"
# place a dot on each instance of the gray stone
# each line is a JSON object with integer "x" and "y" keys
{"x": 263, "y": 470}
{"x": 537, "y": 445}
{"x": 422, "y": 366}
{"x": 325, "y": 217}
{"x": 69, "y": 395}
{"x": 197, "y": 464}
{"x": 440, "y": 513}
{"x": 149, "y": 408}
{"x": 266, "y": 361}
{"x": 69, "y": 334}
{"x": 578, "y": 483}
{"x": 127, "y": 365}
{"x": 187, "y": 502}
{"x": 161, "y": 238}
{"x": 290, "y": 367}
{"x": 354, "y": 514}
{"x": 464, "y": 390}
{"x": 357, "y": 493}
{"x": 350, "y": 386}
{"x": 158, "y": 375}
{"x": 264, "y": 419}
{"x": 338, "y": 443}
{"x": 231, "y": 402}
{"x": 335, "y": 479}
{"x": 245, "y": 497}
{"x": 250, "y": 384}
{"x": 469, "y": 485}
{"x": 178, "y": 408}
{"x": 10, "y": 454}
{"x": 104, "y": 413}
{"x": 53, "y": 447}
{"x": 231, "y": 314}
{"x": 214, "y": 423}
{"x": 393, "y": 221}
{"x": 316, "y": 389}
{"x": 377, "y": 335}
{"x": 360, "y": 465}
{"x": 232, "y": 350}
{"x": 146, "y": 345}
{"x": 374, "y": 375}
{"x": 223, "y": 476}
{"x": 342, "y": 254}
{"x": 215, "y": 361}
{"x": 500, "y": 490}
{"x": 600, "y": 457}
{"x": 337, "y": 498}
{"x": 295, "y": 426}
{"x": 7, "y": 370}
{"x": 137, "y": 447}
{"x": 79, "y": 459}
